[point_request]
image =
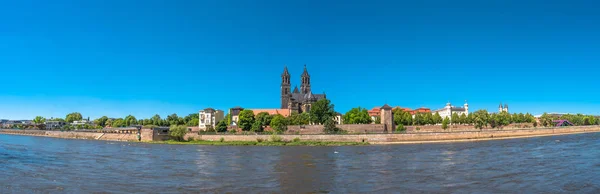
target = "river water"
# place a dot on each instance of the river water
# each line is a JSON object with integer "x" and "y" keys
{"x": 569, "y": 164}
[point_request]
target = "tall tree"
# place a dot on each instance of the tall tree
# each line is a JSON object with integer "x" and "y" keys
{"x": 130, "y": 120}
{"x": 357, "y": 116}
{"x": 454, "y": 118}
{"x": 246, "y": 119}
{"x": 462, "y": 119}
{"x": 299, "y": 119}
{"x": 74, "y": 116}
{"x": 173, "y": 119}
{"x": 156, "y": 120}
{"x": 263, "y": 119}
{"x": 39, "y": 120}
{"x": 480, "y": 118}
{"x": 321, "y": 111}
{"x": 437, "y": 118}
{"x": 279, "y": 123}
{"x": 445, "y": 123}
{"x": 101, "y": 121}
{"x": 190, "y": 117}
{"x": 222, "y": 126}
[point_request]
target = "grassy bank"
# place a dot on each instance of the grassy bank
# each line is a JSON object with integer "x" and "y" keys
{"x": 264, "y": 143}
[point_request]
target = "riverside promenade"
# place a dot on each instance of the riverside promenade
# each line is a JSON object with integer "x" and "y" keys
{"x": 382, "y": 138}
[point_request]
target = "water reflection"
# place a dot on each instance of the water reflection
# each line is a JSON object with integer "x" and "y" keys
{"x": 537, "y": 165}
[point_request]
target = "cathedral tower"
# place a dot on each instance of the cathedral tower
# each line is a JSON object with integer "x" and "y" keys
{"x": 285, "y": 88}
{"x": 305, "y": 84}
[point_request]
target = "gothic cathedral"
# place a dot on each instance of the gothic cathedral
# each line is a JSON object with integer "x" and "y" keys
{"x": 298, "y": 100}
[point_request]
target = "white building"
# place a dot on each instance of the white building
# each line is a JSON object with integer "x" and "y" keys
{"x": 210, "y": 117}
{"x": 54, "y": 124}
{"x": 448, "y": 110}
{"x": 502, "y": 108}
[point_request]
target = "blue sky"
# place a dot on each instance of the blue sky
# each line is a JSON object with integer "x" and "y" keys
{"x": 115, "y": 57}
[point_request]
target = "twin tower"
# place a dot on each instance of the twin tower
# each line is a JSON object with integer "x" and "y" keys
{"x": 297, "y": 100}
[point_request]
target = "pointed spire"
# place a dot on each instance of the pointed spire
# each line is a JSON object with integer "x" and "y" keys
{"x": 296, "y": 90}
{"x": 285, "y": 71}
{"x": 305, "y": 73}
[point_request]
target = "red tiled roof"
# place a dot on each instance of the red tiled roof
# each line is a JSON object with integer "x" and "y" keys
{"x": 283, "y": 112}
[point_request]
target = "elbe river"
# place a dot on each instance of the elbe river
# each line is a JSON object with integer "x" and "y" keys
{"x": 557, "y": 164}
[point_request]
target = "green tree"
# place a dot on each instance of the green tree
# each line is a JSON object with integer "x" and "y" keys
{"x": 119, "y": 123}
{"x": 222, "y": 126}
{"x": 188, "y": 119}
{"x": 329, "y": 127}
{"x": 454, "y": 119}
{"x": 156, "y": 120}
{"x": 378, "y": 119}
{"x": 263, "y": 118}
{"x": 419, "y": 119}
{"x": 503, "y": 119}
{"x": 437, "y": 118}
{"x": 130, "y": 120}
{"x": 101, "y": 121}
{"x": 279, "y": 123}
{"x": 400, "y": 128}
{"x": 357, "y": 116}
{"x": 39, "y": 120}
{"x": 321, "y": 111}
{"x": 173, "y": 119}
{"x": 177, "y": 132}
{"x": 75, "y": 116}
{"x": 445, "y": 123}
{"x": 299, "y": 119}
{"x": 470, "y": 120}
{"x": 257, "y": 126}
{"x": 228, "y": 119}
{"x": 108, "y": 123}
{"x": 480, "y": 119}
{"x": 546, "y": 120}
{"x": 193, "y": 122}
{"x": 462, "y": 119}
{"x": 246, "y": 119}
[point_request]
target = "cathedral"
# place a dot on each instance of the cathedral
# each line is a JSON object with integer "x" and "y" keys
{"x": 298, "y": 100}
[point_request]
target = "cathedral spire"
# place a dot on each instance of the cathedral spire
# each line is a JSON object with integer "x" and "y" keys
{"x": 305, "y": 73}
{"x": 305, "y": 84}
{"x": 285, "y": 72}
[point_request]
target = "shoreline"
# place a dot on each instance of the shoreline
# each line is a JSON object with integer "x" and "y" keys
{"x": 322, "y": 139}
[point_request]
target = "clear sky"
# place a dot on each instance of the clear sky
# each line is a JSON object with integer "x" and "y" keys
{"x": 120, "y": 57}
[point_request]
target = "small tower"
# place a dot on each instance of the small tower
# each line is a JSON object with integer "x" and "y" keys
{"x": 505, "y": 109}
{"x": 500, "y": 109}
{"x": 305, "y": 84}
{"x": 285, "y": 88}
{"x": 387, "y": 118}
{"x": 466, "y": 108}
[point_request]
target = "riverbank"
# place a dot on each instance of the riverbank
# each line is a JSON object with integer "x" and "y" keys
{"x": 262, "y": 143}
{"x": 321, "y": 139}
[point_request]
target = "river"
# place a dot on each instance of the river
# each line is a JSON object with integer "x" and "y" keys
{"x": 568, "y": 163}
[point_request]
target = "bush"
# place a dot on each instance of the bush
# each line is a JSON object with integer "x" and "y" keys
{"x": 259, "y": 140}
{"x": 400, "y": 128}
{"x": 222, "y": 139}
{"x": 190, "y": 139}
{"x": 445, "y": 123}
{"x": 210, "y": 128}
{"x": 297, "y": 139}
{"x": 276, "y": 138}
{"x": 418, "y": 128}
{"x": 330, "y": 127}
{"x": 177, "y": 132}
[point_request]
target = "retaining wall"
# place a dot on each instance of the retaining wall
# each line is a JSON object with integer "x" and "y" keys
{"x": 403, "y": 137}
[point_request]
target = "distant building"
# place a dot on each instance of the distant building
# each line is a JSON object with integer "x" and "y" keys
{"x": 54, "y": 124}
{"x": 502, "y": 108}
{"x": 83, "y": 122}
{"x": 235, "y": 115}
{"x": 376, "y": 111}
{"x": 209, "y": 117}
{"x": 338, "y": 118}
{"x": 448, "y": 110}
{"x": 282, "y": 112}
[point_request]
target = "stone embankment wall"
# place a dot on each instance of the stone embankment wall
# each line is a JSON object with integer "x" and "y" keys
{"x": 404, "y": 137}
{"x": 351, "y": 128}
{"x": 147, "y": 135}
{"x": 461, "y": 128}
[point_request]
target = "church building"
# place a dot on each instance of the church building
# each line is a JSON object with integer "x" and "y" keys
{"x": 298, "y": 100}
